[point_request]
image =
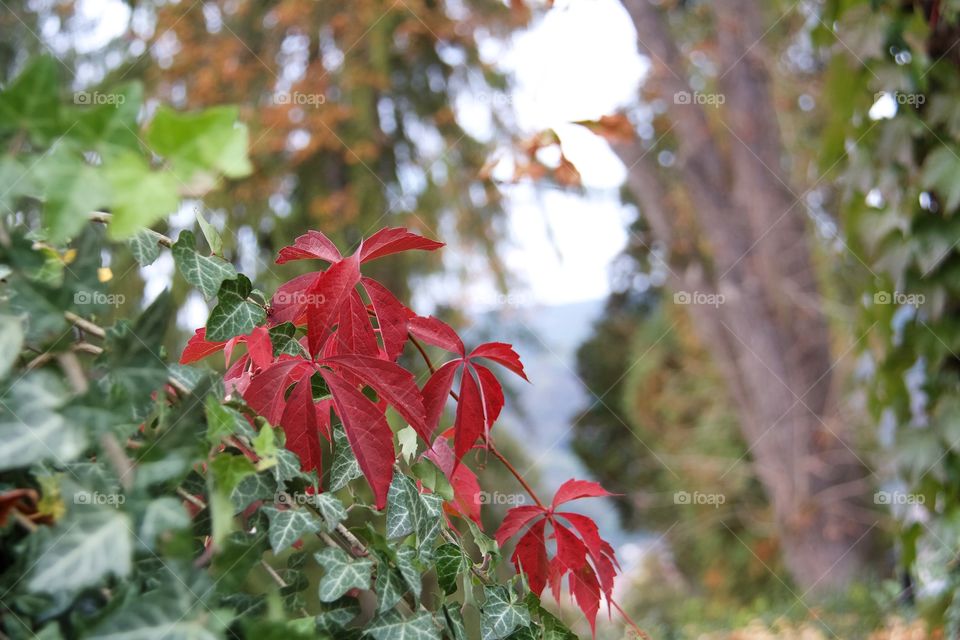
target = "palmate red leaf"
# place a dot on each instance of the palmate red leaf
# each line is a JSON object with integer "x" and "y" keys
{"x": 301, "y": 425}
{"x": 492, "y": 394}
{"x": 530, "y": 556}
{"x": 576, "y": 489}
{"x": 586, "y": 590}
{"x": 438, "y": 333}
{"x": 515, "y": 520}
{"x": 311, "y": 245}
{"x": 502, "y": 354}
{"x": 393, "y": 383}
{"x": 325, "y": 297}
{"x": 394, "y": 240}
{"x": 392, "y": 317}
{"x": 289, "y": 302}
{"x": 469, "y": 424}
{"x": 198, "y": 347}
{"x": 260, "y": 347}
{"x": 436, "y": 392}
{"x": 266, "y": 393}
{"x": 354, "y": 332}
{"x": 367, "y": 431}
{"x": 590, "y": 535}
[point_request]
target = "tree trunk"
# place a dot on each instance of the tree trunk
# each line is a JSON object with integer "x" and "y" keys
{"x": 769, "y": 335}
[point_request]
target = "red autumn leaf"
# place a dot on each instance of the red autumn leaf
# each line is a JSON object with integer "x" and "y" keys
{"x": 199, "y": 348}
{"x": 260, "y": 348}
{"x": 325, "y": 297}
{"x": 469, "y": 424}
{"x": 392, "y": 317}
{"x": 502, "y": 354}
{"x": 311, "y": 245}
{"x": 438, "y": 333}
{"x": 492, "y": 394}
{"x": 393, "y": 383}
{"x": 584, "y": 587}
{"x": 436, "y": 392}
{"x": 530, "y": 556}
{"x": 354, "y": 332}
{"x": 394, "y": 240}
{"x": 367, "y": 431}
{"x": 266, "y": 393}
{"x": 515, "y": 520}
{"x": 576, "y": 489}
{"x": 289, "y": 301}
{"x": 300, "y": 424}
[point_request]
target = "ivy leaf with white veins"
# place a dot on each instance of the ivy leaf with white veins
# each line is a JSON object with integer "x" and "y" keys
{"x": 234, "y": 315}
{"x": 345, "y": 466}
{"x": 389, "y": 585}
{"x": 286, "y": 527}
{"x": 392, "y": 626}
{"x": 206, "y": 273}
{"x": 499, "y": 616}
{"x": 403, "y": 505}
{"x": 411, "y": 573}
{"x": 83, "y": 549}
{"x": 145, "y": 246}
{"x": 30, "y": 428}
{"x": 341, "y": 573}
{"x": 450, "y": 563}
{"x": 331, "y": 509}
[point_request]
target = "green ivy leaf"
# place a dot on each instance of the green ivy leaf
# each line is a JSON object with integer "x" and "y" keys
{"x": 389, "y": 585}
{"x": 393, "y": 626}
{"x": 283, "y": 340}
{"x": 345, "y": 466}
{"x": 430, "y": 523}
{"x": 32, "y": 101}
{"x": 454, "y": 622}
{"x": 406, "y": 564}
{"x": 81, "y": 550}
{"x": 228, "y": 470}
{"x": 336, "y": 616}
{"x": 403, "y": 506}
{"x": 450, "y": 563}
{"x": 206, "y": 273}
{"x": 72, "y": 189}
{"x": 222, "y": 421}
{"x": 144, "y": 246}
{"x": 207, "y": 142}
{"x": 109, "y": 128}
{"x": 941, "y": 172}
{"x": 30, "y": 428}
{"x": 341, "y": 573}
{"x": 259, "y": 486}
{"x": 140, "y": 196}
{"x": 234, "y": 315}
{"x": 499, "y": 616}
{"x": 162, "y": 516}
{"x": 286, "y": 527}
{"x": 331, "y": 509}
{"x": 161, "y": 615}
{"x": 211, "y": 235}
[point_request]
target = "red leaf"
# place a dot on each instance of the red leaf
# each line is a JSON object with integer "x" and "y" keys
{"x": 436, "y": 392}
{"x": 325, "y": 298}
{"x": 576, "y": 489}
{"x": 354, "y": 332}
{"x": 469, "y": 424}
{"x": 260, "y": 348}
{"x": 571, "y": 552}
{"x": 436, "y": 332}
{"x": 311, "y": 245}
{"x": 466, "y": 487}
{"x": 299, "y": 422}
{"x": 584, "y": 587}
{"x": 502, "y": 354}
{"x": 393, "y": 383}
{"x": 530, "y": 556}
{"x": 492, "y": 394}
{"x": 199, "y": 348}
{"x": 516, "y": 519}
{"x": 237, "y": 377}
{"x": 289, "y": 302}
{"x": 368, "y": 432}
{"x": 266, "y": 393}
{"x": 596, "y": 546}
{"x": 394, "y": 240}
{"x": 392, "y": 317}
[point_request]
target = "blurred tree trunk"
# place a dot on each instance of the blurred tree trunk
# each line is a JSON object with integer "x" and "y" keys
{"x": 750, "y": 245}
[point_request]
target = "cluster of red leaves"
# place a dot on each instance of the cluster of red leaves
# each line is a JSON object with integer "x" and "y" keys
{"x": 588, "y": 559}
{"x": 351, "y": 345}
